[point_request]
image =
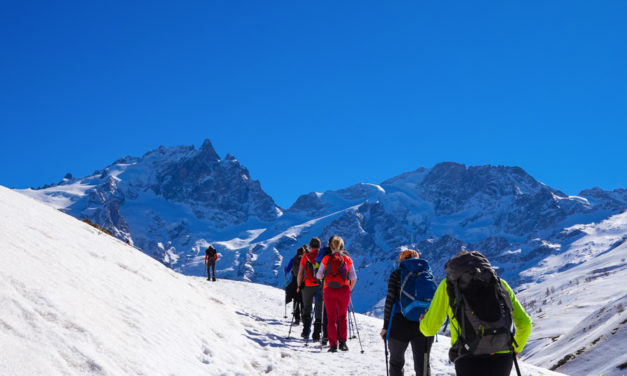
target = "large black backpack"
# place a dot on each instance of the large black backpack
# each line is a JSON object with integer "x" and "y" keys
{"x": 211, "y": 253}
{"x": 481, "y": 305}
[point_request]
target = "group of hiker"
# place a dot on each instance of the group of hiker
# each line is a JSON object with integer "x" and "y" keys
{"x": 327, "y": 276}
{"x": 489, "y": 327}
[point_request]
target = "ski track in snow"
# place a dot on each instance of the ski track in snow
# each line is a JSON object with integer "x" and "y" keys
{"x": 74, "y": 301}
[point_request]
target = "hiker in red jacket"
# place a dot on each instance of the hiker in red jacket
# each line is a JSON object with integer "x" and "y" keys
{"x": 339, "y": 276}
{"x": 309, "y": 287}
{"x": 211, "y": 256}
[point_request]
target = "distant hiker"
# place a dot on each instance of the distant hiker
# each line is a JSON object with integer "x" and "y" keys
{"x": 309, "y": 287}
{"x": 339, "y": 276}
{"x": 211, "y": 256}
{"x": 291, "y": 290}
{"x": 475, "y": 297}
{"x": 411, "y": 283}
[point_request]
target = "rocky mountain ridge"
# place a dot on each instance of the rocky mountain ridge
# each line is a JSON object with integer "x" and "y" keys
{"x": 172, "y": 202}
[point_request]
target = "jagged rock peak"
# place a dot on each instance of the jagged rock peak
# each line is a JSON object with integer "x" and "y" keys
{"x": 207, "y": 150}
{"x": 480, "y": 178}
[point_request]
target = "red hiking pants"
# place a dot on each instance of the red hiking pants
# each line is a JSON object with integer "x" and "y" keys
{"x": 336, "y": 304}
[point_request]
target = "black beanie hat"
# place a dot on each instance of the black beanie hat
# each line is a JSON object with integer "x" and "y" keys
{"x": 314, "y": 242}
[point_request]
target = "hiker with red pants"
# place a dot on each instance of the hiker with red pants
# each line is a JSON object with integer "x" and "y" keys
{"x": 211, "y": 256}
{"x": 339, "y": 276}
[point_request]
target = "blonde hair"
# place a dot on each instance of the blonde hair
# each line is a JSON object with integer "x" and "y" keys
{"x": 408, "y": 253}
{"x": 336, "y": 243}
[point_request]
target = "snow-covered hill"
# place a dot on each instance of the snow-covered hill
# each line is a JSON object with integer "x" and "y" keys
{"x": 578, "y": 302}
{"x": 75, "y": 301}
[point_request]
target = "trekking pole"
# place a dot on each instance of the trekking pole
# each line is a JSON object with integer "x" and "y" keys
{"x": 350, "y": 324}
{"x": 322, "y": 329}
{"x": 516, "y": 363}
{"x": 311, "y": 317}
{"x": 353, "y": 325}
{"x": 425, "y": 361}
{"x": 291, "y": 323}
{"x": 387, "y": 369}
{"x": 285, "y": 304}
{"x": 356, "y": 326}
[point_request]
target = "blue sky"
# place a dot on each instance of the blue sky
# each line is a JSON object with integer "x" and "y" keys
{"x": 312, "y": 96}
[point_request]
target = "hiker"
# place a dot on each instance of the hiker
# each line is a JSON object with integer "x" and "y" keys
{"x": 403, "y": 330}
{"x": 309, "y": 287}
{"x": 211, "y": 256}
{"x": 291, "y": 290}
{"x": 474, "y": 295}
{"x": 326, "y": 251}
{"x": 339, "y": 276}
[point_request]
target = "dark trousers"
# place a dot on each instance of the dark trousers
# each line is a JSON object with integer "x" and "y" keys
{"x": 309, "y": 292}
{"x": 420, "y": 346}
{"x": 296, "y": 308}
{"x": 211, "y": 265}
{"x": 491, "y": 365}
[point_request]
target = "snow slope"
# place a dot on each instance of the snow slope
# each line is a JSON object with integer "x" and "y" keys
{"x": 579, "y": 311}
{"x": 74, "y": 301}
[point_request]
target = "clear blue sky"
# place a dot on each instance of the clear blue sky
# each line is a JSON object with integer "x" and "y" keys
{"x": 312, "y": 96}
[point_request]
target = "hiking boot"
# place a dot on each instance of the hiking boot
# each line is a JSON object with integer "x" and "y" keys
{"x": 316, "y": 331}
{"x": 343, "y": 346}
{"x": 214, "y": 279}
{"x": 332, "y": 349}
{"x": 296, "y": 322}
{"x": 324, "y": 341}
{"x": 305, "y": 333}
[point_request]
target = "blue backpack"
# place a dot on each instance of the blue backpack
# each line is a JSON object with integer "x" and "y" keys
{"x": 417, "y": 288}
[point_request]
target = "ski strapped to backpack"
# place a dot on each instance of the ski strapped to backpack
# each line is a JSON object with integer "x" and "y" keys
{"x": 417, "y": 288}
{"x": 481, "y": 305}
{"x": 336, "y": 271}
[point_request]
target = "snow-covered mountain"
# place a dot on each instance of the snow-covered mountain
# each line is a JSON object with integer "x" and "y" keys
{"x": 168, "y": 202}
{"x": 172, "y": 202}
{"x": 75, "y": 301}
{"x": 578, "y": 302}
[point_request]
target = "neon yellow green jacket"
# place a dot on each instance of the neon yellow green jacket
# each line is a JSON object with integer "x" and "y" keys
{"x": 434, "y": 318}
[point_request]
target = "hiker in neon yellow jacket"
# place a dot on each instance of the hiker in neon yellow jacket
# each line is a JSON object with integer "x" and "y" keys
{"x": 494, "y": 364}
